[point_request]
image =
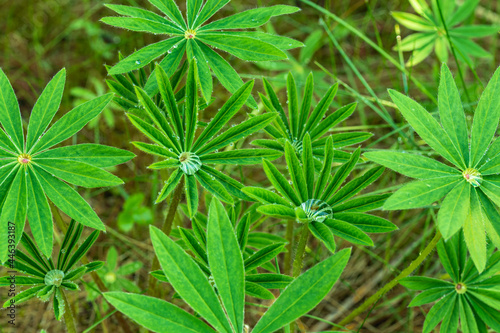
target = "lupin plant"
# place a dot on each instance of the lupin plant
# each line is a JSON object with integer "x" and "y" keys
{"x": 191, "y": 36}
{"x": 301, "y": 120}
{"x": 471, "y": 185}
{"x": 190, "y": 154}
{"x": 31, "y": 172}
{"x": 47, "y": 279}
{"x": 471, "y": 297}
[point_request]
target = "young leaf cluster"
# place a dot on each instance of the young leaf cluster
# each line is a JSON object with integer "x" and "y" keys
{"x": 323, "y": 203}
{"x": 47, "y": 279}
{"x": 30, "y": 172}
{"x": 472, "y": 185}
{"x": 473, "y": 297}
{"x": 174, "y": 135}
{"x": 432, "y": 31}
{"x": 301, "y": 121}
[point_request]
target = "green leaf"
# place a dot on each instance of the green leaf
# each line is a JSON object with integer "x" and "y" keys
{"x": 157, "y": 117}
{"x": 411, "y": 165}
{"x": 256, "y": 290}
{"x": 278, "y": 210}
{"x": 474, "y": 31}
{"x": 449, "y": 258}
{"x": 321, "y": 108}
{"x": 213, "y": 186}
{"x": 475, "y": 233}
{"x": 237, "y": 132}
{"x": 68, "y": 200}
{"x": 78, "y": 173}
{"x": 191, "y": 194}
{"x": 155, "y": 314}
{"x": 450, "y": 320}
{"x": 82, "y": 250}
{"x": 362, "y": 204}
{"x": 143, "y": 25}
{"x": 416, "y": 41}
{"x": 324, "y": 234}
{"x": 264, "y": 196}
{"x": 245, "y": 48}
{"x": 486, "y": 119}
{"x": 96, "y": 155}
{"x": 209, "y": 9}
{"x": 188, "y": 280}
{"x": 332, "y": 120}
{"x": 72, "y": 122}
{"x": 169, "y": 185}
{"x": 169, "y": 8}
{"x": 467, "y": 317}
{"x": 304, "y": 293}
{"x": 262, "y": 256}
{"x": 454, "y": 210}
{"x": 39, "y": 215}
{"x": 144, "y": 56}
{"x": 232, "y": 186}
{"x": 430, "y": 296}
{"x": 240, "y": 157}
{"x": 152, "y": 133}
{"x": 10, "y": 115}
{"x": 171, "y": 162}
{"x": 205, "y": 77}
{"x": 6, "y": 281}
{"x": 14, "y": 211}
{"x": 281, "y": 42}
{"x": 355, "y": 186}
{"x": 228, "y": 110}
{"x": 270, "y": 281}
{"x": 23, "y": 296}
{"x": 413, "y": 22}
{"x": 193, "y": 244}
{"x": 421, "y": 193}
{"x": 226, "y": 263}
{"x": 348, "y": 232}
{"x": 168, "y": 96}
{"x": 438, "y": 311}
{"x": 280, "y": 183}
{"x": 308, "y": 165}
{"x": 191, "y": 112}
{"x": 452, "y": 114}
{"x": 325, "y": 170}
{"x": 487, "y": 313}
{"x": 45, "y": 108}
{"x": 250, "y": 18}
{"x": 340, "y": 175}
{"x": 366, "y": 222}
{"x": 295, "y": 170}
{"x": 463, "y": 12}
{"x": 293, "y": 104}
{"x": 306, "y": 103}
{"x": 426, "y": 126}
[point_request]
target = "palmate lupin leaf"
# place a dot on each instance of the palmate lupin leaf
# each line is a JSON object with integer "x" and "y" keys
{"x": 322, "y": 202}
{"x": 472, "y": 186}
{"x": 302, "y": 121}
{"x": 191, "y": 35}
{"x": 431, "y": 33}
{"x": 189, "y": 157}
{"x": 29, "y": 171}
{"x": 45, "y": 278}
{"x": 223, "y": 310}
{"x": 473, "y": 298}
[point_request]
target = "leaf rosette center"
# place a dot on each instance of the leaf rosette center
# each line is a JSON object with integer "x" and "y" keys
{"x": 313, "y": 210}
{"x": 54, "y": 278}
{"x": 473, "y": 177}
{"x": 190, "y": 34}
{"x": 460, "y": 288}
{"x": 190, "y": 163}
{"x": 24, "y": 159}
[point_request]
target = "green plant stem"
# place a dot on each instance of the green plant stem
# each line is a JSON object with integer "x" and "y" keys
{"x": 166, "y": 228}
{"x": 64, "y": 228}
{"x": 69, "y": 321}
{"x": 289, "y": 247}
{"x": 381, "y": 292}
{"x": 453, "y": 51}
{"x": 301, "y": 247}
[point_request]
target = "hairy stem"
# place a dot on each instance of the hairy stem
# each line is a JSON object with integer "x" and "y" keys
{"x": 289, "y": 247}
{"x": 301, "y": 247}
{"x": 69, "y": 321}
{"x": 166, "y": 228}
{"x": 381, "y": 292}
{"x": 64, "y": 228}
